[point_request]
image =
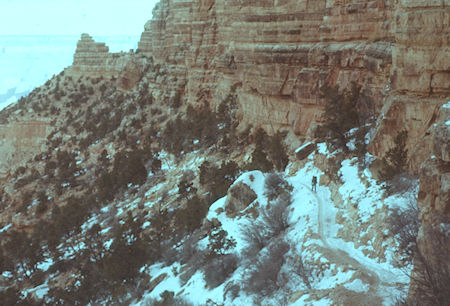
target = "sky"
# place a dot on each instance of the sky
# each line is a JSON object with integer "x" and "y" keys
{"x": 73, "y": 17}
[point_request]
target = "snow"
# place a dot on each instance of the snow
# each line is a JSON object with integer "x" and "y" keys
{"x": 357, "y": 285}
{"x": 330, "y": 279}
{"x": 39, "y": 291}
{"x": 45, "y": 265}
{"x": 170, "y": 282}
{"x": 447, "y": 105}
{"x": 367, "y": 198}
{"x": 302, "y": 146}
{"x": 313, "y": 233}
{"x": 5, "y": 228}
{"x": 322, "y": 148}
{"x": 447, "y": 122}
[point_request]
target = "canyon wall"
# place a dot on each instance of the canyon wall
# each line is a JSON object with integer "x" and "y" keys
{"x": 434, "y": 204}
{"x": 279, "y": 53}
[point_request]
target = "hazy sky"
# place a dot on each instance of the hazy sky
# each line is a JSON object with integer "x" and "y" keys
{"x": 73, "y": 17}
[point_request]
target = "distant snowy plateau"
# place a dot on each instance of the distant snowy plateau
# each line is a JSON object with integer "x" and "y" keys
{"x": 27, "y": 62}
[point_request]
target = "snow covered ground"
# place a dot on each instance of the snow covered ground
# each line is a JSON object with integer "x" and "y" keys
{"x": 343, "y": 271}
{"x": 29, "y": 61}
{"x": 340, "y": 267}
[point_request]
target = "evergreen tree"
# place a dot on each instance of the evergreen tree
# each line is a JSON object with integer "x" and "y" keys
{"x": 277, "y": 152}
{"x": 341, "y": 114}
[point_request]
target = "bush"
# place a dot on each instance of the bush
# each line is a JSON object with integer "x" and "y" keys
{"x": 404, "y": 226}
{"x": 394, "y": 162}
{"x": 275, "y": 185}
{"x": 217, "y": 270}
{"x": 128, "y": 168}
{"x": 219, "y": 244}
{"x": 263, "y": 278}
{"x": 431, "y": 273}
{"x": 167, "y": 299}
{"x": 190, "y": 217}
{"x": 303, "y": 270}
{"x": 259, "y": 161}
{"x": 253, "y": 235}
{"x": 343, "y": 111}
{"x": 275, "y": 216}
{"x": 216, "y": 179}
{"x": 277, "y": 151}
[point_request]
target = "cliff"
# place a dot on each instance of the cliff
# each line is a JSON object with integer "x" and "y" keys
{"x": 279, "y": 54}
{"x": 123, "y": 141}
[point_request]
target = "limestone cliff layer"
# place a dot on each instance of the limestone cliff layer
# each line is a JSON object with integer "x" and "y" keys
{"x": 279, "y": 54}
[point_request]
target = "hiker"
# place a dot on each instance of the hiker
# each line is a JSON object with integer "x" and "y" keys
{"x": 314, "y": 183}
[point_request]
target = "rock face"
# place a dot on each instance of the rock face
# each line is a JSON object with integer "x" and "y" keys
{"x": 94, "y": 60}
{"x": 19, "y": 141}
{"x": 279, "y": 53}
{"x": 434, "y": 204}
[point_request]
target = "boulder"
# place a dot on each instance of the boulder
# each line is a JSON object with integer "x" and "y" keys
{"x": 239, "y": 197}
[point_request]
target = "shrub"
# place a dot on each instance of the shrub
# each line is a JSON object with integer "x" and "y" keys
{"x": 277, "y": 151}
{"x": 431, "y": 274}
{"x": 259, "y": 161}
{"x": 404, "y": 226}
{"x": 275, "y": 185}
{"x": 394, "y": 162}
{"x": 303, "y": 270}
{"x": 216, "y": 179}
{"x": 219, "y": 244}
{"x": 253, "y": 235}
{"x": 190, "y": 217}
{"x": 167, "y": 299}
{"x": 218, "y": 269}
{"x": 263, "y": 277}
{"x": 275, "y": 216}
{"x": 128, "y": 168}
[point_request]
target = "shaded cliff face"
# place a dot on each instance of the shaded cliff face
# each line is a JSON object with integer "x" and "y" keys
{"x": 279, "y": 54}
{"x": 432, "y": 270}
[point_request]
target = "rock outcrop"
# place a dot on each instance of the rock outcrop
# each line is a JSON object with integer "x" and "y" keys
{"x": 239, "y": 197}
{"x": 94, "y": 60}
{"x": 434, "y": 204}
{"x": 20, "y": 141}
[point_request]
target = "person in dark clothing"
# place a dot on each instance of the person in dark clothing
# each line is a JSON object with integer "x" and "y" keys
{"x": 314, "y": 183}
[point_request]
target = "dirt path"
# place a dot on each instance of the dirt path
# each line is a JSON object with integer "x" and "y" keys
{"x": 342, "y": 258}
{"x": 341, "y": 255}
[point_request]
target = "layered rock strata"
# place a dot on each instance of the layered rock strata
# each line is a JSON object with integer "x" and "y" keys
{"x": 279, "y": 54}
{"x": 434, "y": 204}
{"x": 94, "y": 60}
